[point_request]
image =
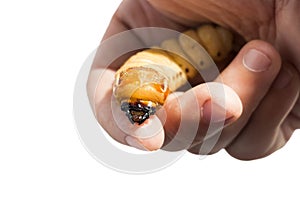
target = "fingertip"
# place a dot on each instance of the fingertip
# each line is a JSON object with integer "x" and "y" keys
{"x": 134, "y": 142}
{"x": 260, "y": 58}
{"x": 223, "y": 96}
{"x": 149, "y": 144}
{"x": 189, "y": 116}
{"x": 252, "y": 72}
{"x": 148, "y": 136}
{"x": 155, "y": 142}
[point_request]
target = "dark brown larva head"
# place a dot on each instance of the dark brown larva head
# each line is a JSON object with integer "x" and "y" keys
{"x": 137, "y": 112}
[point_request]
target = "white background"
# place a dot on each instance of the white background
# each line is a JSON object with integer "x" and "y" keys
{"x": 42, "y": 47}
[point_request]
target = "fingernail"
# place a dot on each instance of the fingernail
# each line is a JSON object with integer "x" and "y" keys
{"x": 131, "y": 141}
{"x": 283, "y": 79}
{"x": 256, "y": 61}
{"x": 214, "y": 113}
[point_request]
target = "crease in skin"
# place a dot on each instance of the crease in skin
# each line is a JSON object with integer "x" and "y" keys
{"x": 144, "y": 81}
{"x": 177, "y": 13}
{"x": 224, "y": 14}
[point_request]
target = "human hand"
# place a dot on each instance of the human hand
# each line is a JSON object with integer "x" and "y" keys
{"x": 268, "y": 112}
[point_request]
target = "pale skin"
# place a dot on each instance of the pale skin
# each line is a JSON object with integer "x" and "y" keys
{"x": 263, "y": 105}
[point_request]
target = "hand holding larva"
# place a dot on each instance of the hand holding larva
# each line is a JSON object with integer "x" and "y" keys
{"x": 145, "y": 80}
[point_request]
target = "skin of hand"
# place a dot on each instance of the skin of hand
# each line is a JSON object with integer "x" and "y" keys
{"x": 262, "y": 97}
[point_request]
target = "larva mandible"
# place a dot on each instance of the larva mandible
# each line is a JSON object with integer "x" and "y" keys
{"x": 144, "y": 81}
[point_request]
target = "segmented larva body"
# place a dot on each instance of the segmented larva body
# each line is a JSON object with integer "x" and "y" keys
{"x": 145, "y": 80}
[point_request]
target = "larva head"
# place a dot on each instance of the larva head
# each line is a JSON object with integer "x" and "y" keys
{"x": 140, "y": 90}
{"x": 140, "y": 83}
{"x": 137, "y": 112}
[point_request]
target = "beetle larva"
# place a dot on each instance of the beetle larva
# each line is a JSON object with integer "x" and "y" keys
{"x": 145, "y": 80}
